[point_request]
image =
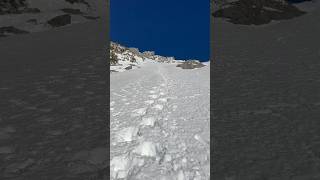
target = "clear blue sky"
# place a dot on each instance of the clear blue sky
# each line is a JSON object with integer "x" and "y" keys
{"x": 178, "y": 28}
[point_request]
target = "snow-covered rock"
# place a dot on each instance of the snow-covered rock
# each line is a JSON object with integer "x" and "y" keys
{"x": 123, "y": 58}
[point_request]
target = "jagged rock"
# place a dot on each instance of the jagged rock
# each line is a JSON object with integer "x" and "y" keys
{"x": 149, "y": 53}
{"x": 128, "y": 68}
{"x": 61, "y": 20}
{"x": 134, "y": 50}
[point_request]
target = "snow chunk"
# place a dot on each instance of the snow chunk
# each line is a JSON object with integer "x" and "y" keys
{"x": 148, "y": 121}
{"x": 139, "y": 112}
{"x": 163, "y": 100}
{"x": 158, "y": 107}
{"x": 127, "y": 134}
{"x": 119, "y": 167}
{"x": 146, "y": 149}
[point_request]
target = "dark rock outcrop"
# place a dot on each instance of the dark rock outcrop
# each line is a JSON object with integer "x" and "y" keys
{"x": 257, "y": 12}
{"x": 191, "y": 65}
{"x": 61, "y": 20}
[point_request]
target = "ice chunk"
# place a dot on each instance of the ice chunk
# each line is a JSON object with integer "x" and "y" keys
{"x": 120, "y": 166}
{"x": 148, "y": 121}
{"x": 146, "y": 148}
{"x": 127, "y": 134}
{"x": 139, "y": 112}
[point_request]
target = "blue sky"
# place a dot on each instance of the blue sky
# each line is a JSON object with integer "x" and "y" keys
{"x": 169, "y": 27}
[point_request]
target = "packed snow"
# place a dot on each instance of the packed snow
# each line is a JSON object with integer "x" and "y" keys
{"x": 160, "y": 122}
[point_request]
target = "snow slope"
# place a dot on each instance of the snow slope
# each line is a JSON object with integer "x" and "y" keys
{"x": 160, "y": 123}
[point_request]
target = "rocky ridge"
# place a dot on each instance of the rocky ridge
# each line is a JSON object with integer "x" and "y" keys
{"x": 123, "y": 58}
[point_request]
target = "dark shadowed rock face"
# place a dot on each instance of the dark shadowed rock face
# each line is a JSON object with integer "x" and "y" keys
{"x": 190, "y": 65}
{"x": 257, "y": 12}
{"x": 61, "y": 20}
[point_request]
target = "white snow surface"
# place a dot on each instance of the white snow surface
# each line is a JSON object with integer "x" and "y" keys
{"x": 163, "y": 113}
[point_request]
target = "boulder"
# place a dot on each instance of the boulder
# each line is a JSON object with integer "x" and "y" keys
{"x": 191, "y": 65}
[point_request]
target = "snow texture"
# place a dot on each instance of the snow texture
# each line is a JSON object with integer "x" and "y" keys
{"x": 162, "y": 113}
